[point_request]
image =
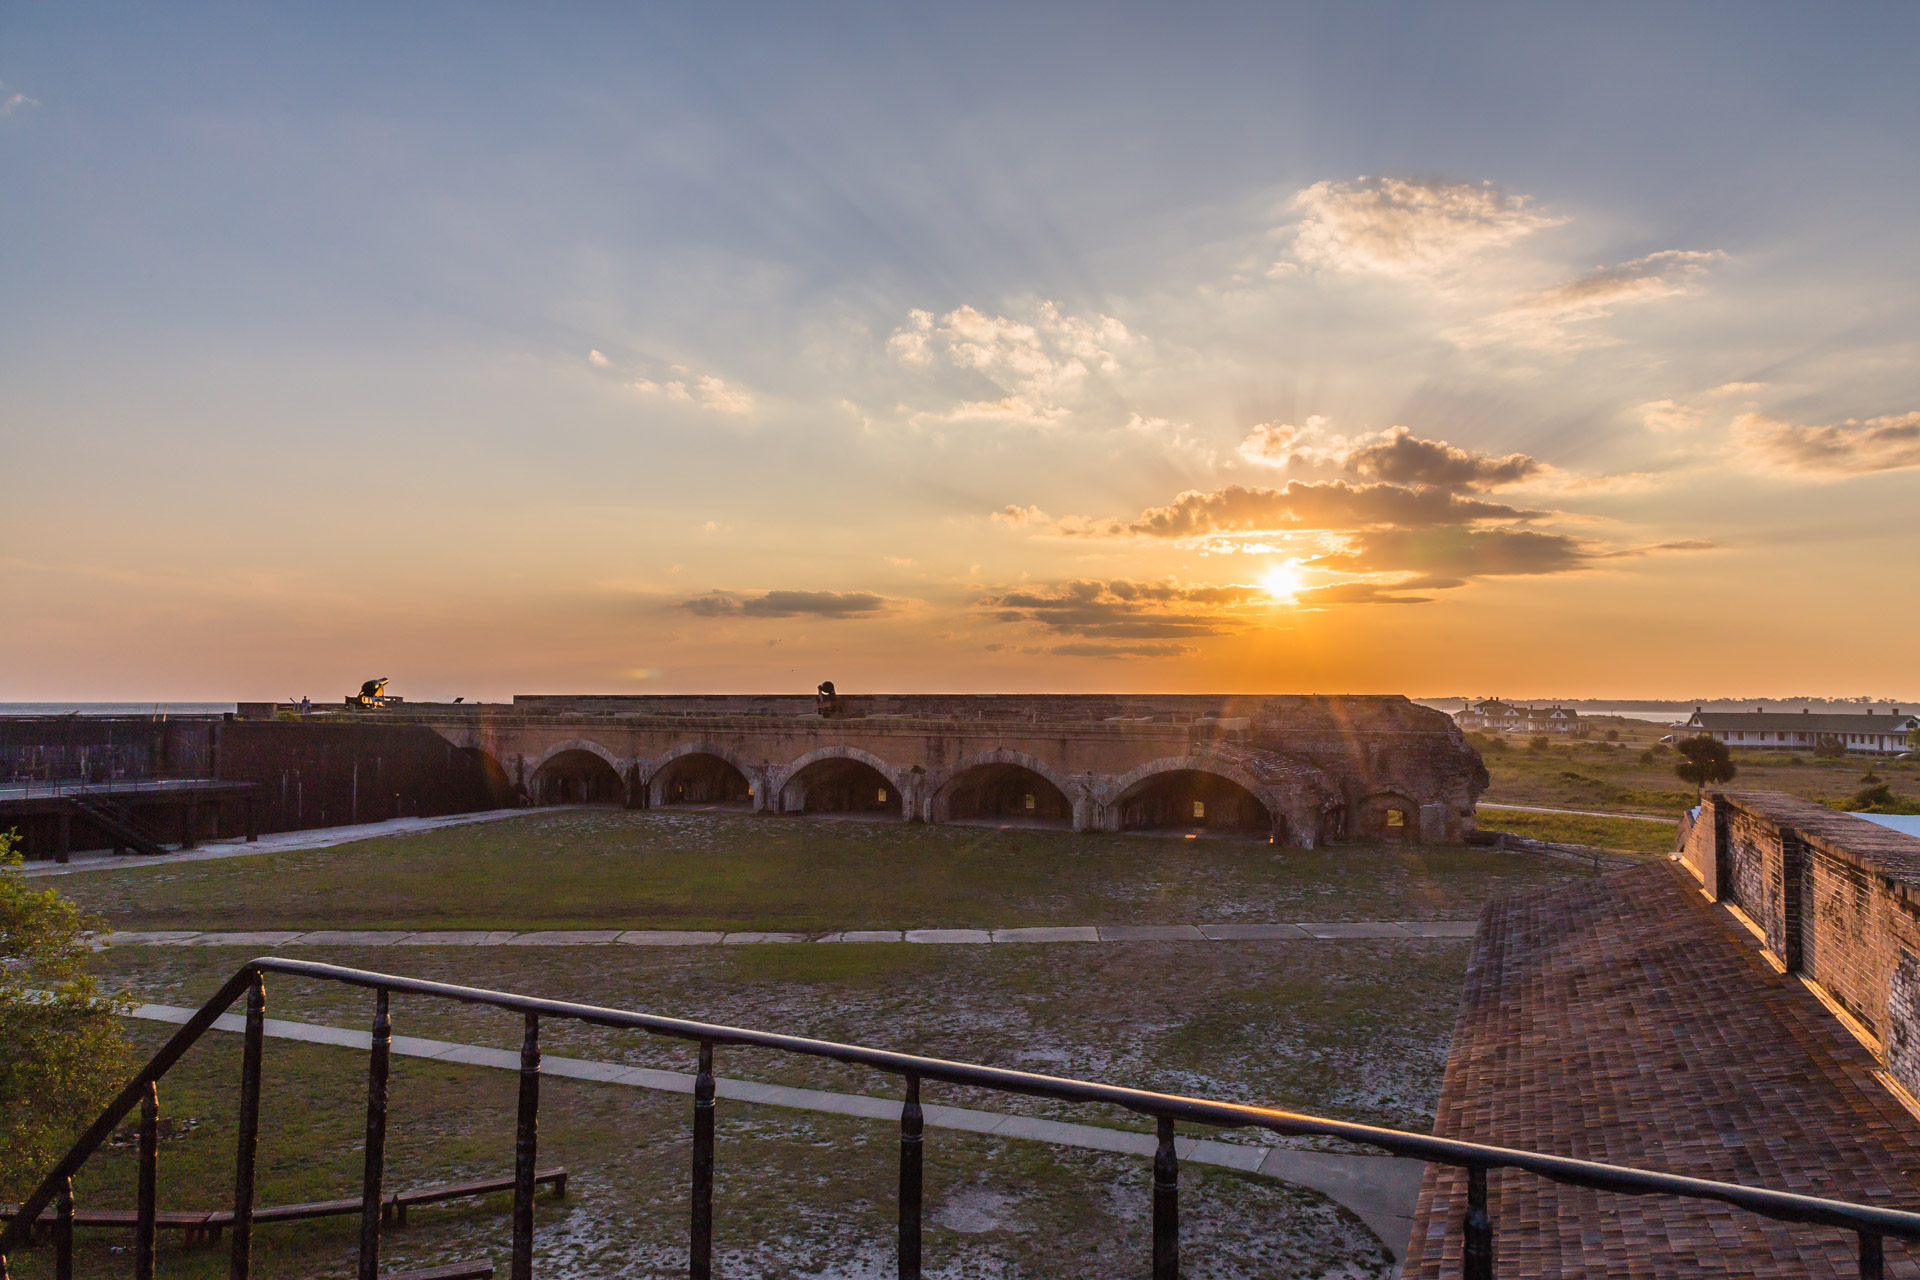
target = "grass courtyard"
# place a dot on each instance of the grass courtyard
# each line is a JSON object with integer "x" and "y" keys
{"x": 1352, "y": 1028}
{"x": 696, "y": 870}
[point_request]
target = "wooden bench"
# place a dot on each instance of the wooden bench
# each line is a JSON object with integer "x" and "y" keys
{"x": 477, "y": 1270}
{"x": 201, "y": 1226}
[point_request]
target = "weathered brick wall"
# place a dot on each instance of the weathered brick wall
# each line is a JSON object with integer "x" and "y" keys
{"x": 1753, "y": 869}
{"x": 1838, "y": 899}
{"x": 1699, "y": 852}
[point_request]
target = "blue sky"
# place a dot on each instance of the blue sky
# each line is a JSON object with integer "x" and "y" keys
{"x": 619, "y": 347}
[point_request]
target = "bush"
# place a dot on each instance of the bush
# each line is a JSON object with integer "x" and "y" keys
{"x": 63, "y": 1055}
{"x": 1796, "y": 761}
{"x": 1829, "y": 747}
{"x": 1703, "y": 760}
{"x": 1613, "y": 735}
{"x": 1870, "y": 778}
{"x": 1538, "y": 744}
{"x": 1484, "y": 742}
{"x": 1646, "y": 757}
{"x": 1873, "y": 798}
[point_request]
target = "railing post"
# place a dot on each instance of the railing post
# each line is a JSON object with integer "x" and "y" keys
{"x": 241, "y": 1260}
{"x": 912, "y": 1126}
{"x": 1166, "y": 1206}
{"x": 143, "y": 1231}
{"x": 1873, "y": 1262}
{"x": 1476, "y": 1256}
{"x": 63, "y": 1232}
{"x": 526, "y": 1150}
{"x": 376, "y": 1150}
{"x": 700, "y": 1254}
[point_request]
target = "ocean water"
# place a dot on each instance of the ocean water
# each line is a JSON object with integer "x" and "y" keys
{"x": 115, "y": 708}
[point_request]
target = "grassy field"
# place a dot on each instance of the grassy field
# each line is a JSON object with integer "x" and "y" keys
{"x": 1353, "y": 1028}
{"x": 1625, "y": 835}
{"x": 1598, "y": 775}
{"x": 796, "y": 1195}
{"x": 1357, "y": 1029}
{"x": 666, "y": 870}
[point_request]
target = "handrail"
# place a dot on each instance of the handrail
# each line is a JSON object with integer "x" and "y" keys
{"x": 1872, "y": 1223}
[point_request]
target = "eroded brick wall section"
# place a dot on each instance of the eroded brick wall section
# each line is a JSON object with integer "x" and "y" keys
{"x": 1838, "y": 899}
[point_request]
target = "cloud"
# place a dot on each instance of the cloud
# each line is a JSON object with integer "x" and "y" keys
{"x": 1400, "y": 457}
{"x": 12, "y": 102}
{"x": 1080, "y": 649}
{"x": 1357, "y": 593}
{"x": 708, "y": 391}
{"x": 598, "y": 358}
{"x": 1542, "y": 319}
{"x": 788, "y": 604}
{"x": 1270, "y": 444}
{"x": 722, "y": 396}
{"x": 1301, "y": 504}
{"x": 1408, "y": 228}
{"x": 1123, "y": 608}
{"x": 1009, "y": 411}
{"x": 1462, "y": 553}
{"x": 1669, "y": 415}
{"x": 1036, "y": 363}
{"x": 1850, "y": 448}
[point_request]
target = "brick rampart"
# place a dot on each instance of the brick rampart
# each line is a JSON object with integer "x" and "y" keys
{"x": 1837, "y": 899}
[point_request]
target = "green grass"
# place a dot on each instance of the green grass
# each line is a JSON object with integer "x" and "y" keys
{"x": 612, "y": 868}
{"x": 1356, "y": 1029}
{"x": 1625, "y": 835}
{"x": 1590, "y": 775}
{"x": 796, "y": 1195}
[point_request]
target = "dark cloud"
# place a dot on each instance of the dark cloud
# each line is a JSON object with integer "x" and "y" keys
{"x": 1462, "y": 553}
{"x": 788, "y": 604}
{"x": 1305, "y": 504}
{"x": 1079, "y": 650}
{"x": 1358, "y": 593}
{"x": 1404, "y": 458}
{"x": 1123, "y": 608}
{"x": 1851, "y": 448}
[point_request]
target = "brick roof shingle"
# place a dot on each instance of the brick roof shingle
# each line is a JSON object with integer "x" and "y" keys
{"x": 1628, "y": 1020}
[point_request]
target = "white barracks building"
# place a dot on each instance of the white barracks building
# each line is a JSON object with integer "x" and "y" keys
{"x": 1805, "y": 730}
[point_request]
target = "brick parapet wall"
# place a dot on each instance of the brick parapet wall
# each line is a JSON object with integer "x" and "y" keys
{"x": 1837, "y": 899}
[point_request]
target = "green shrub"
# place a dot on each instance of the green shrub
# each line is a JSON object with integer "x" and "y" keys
{"x": 63, "y": 1055}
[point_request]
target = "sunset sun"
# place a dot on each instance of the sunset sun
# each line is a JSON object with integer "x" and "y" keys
{"x": 1282, "y": 581}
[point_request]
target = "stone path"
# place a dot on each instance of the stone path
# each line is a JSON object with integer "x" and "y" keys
{"x": 281, "y": 842}
{"x": 1380, "y": 1190}
{"x": 1330, "y": 931}
{"x": 1579, "y": 813}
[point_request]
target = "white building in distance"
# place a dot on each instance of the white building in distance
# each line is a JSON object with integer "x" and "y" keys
{"x": 1805, "y": 730}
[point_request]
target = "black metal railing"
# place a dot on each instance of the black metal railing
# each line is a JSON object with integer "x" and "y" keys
{"x": 1871, "y": 1224}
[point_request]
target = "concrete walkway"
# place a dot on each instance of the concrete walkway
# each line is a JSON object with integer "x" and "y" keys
{"x": 1579, "y": 813}
{"x": 1333, "y": 930}
{"x": 280, "y": 842}
{"x": 1379, "y": 1190}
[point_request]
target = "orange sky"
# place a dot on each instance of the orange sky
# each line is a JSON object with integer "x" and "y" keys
{"x": 1125, "y": 356}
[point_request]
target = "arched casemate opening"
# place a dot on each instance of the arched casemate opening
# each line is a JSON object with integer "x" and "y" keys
{"x": 1005, "y": 792}
{"x": 700, "y": 778}
{"x": 499, "y": 786}
{"x": 841, "y": 785}
{"x": 1388, "y": 817}
{"x": 1193, "y": 801}
{"x": 576, "y": 777}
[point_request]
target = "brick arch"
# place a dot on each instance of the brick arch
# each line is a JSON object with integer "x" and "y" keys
{"x": 935, "y": 791}
{"x": 651, "y": 767}
{"x": 614, "y": 762}
{"x": 939, "y": 780}
{"x": 1117, "y": 789}
{"x": 1367, "y": 817}
{"x": 785, "y": 775}
{"x": 1296, "y": 805}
